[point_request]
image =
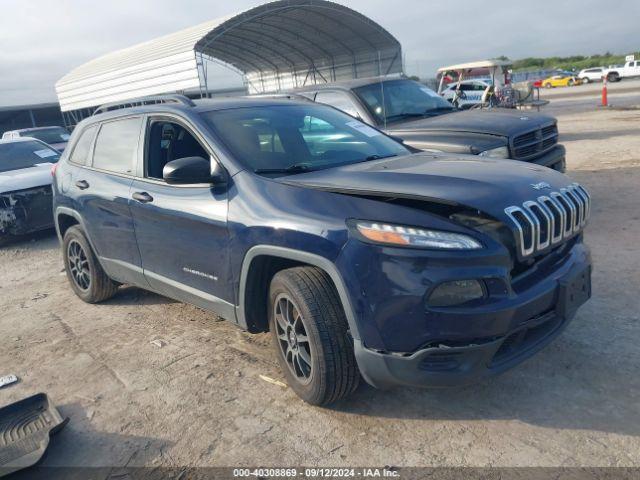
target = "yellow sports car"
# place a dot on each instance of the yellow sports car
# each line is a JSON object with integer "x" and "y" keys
{"x": 560, "y": 81}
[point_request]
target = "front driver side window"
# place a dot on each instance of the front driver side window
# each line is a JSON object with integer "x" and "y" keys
{"x": 167, "y": 141}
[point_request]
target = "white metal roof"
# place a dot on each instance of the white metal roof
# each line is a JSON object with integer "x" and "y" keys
{"x": 474, "y": 65}
{"x": 281, "y": 44}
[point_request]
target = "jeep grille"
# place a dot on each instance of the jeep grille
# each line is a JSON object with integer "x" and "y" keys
{"x": 551, "y": 219}
{"x": 535, "y": 142}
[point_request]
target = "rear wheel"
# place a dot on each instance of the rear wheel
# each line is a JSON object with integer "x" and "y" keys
{"x": 86, "y": 276}
{"x": 613, "y": 77}
{"x": 585, "y": 80}
{"x": 309, "y": 331}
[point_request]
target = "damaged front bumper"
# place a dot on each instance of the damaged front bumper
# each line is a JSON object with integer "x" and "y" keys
{"x": 26, "y": 211}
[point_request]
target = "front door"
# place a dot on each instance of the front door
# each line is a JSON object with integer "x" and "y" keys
{"x": 181, "y": 230}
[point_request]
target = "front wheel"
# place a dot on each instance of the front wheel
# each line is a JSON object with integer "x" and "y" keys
{"x": 547, "y": 85}
{"x": 585, "y": 80}
{"x": 309, "y": 331}
{"x": 85, "y": 274}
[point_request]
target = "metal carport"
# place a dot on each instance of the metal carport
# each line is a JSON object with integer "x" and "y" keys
{"x": 278, "y": 45}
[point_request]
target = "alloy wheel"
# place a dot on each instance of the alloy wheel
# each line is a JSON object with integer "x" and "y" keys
{"x": 293, "y": 339}
{"x": 79, "y": 265}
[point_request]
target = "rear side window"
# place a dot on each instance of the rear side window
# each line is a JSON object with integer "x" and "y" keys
{"x": 116, "y": 145}
{"x": 339, "y": 100}
{"x": 83, "y": 145}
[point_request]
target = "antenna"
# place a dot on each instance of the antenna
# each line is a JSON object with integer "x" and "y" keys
{"x": 384, "y": 107}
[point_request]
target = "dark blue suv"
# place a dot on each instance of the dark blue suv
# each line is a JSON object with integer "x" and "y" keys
{"x": 362, "y": 258}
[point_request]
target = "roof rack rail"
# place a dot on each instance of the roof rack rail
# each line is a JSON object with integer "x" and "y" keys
{"x": 152, "y": 100}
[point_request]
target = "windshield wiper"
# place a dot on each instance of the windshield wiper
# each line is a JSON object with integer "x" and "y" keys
{"x": 404, "y": 115}
{"x": 295, "y": 168}
{"x": 379, "y": 157}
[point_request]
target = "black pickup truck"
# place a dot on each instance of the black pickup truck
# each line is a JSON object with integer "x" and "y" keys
{"x": 423, "y": 120}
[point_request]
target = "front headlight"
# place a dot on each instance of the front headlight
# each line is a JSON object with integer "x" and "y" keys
{"x": 500, "y": 152}
{"x": 415, "y": 237}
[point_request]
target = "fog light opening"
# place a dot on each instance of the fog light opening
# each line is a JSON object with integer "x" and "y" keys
{"x": 456, "y": 292}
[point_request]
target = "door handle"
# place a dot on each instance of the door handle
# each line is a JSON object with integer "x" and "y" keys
{"x": 142, "y": 197}
{"x": 82, "y": 184}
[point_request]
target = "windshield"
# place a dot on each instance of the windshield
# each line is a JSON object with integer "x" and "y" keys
{"x": 17, "y": 155}
{"x": 48, "y": 135}
{"x": 395, "y": 100}
{"x": 287, "y": 139}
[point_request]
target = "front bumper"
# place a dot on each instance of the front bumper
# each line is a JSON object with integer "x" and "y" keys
{"x": 532, "y": 327}
{"x": 26, "y": 211}
{"x": 554, "y": 159}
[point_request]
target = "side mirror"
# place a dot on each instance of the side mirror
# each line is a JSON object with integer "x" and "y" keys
{"x": 193, "y": 170}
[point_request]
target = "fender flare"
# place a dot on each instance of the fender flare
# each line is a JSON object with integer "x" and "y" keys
{"x": 72, "y": 213}
{"x": 300, "y": 256}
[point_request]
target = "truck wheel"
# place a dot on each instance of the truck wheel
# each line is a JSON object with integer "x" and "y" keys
{"x": 309, "y": 332}
{"x": 84, "y": 272}
{"x": 613, "y": 77}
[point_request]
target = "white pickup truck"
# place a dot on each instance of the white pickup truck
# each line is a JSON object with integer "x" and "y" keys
{"x": 630, "y": 69}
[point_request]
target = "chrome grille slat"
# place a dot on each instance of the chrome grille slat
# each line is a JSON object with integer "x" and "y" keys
{"x": 574, "y": 209}
{"x": 561, "y": 214}
{"x": 559, "y": 219}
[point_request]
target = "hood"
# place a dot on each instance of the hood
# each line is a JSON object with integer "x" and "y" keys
{"x": 24, "y": 178}
{"x": 496, "y": 121}
{"x": 488, "y": 185}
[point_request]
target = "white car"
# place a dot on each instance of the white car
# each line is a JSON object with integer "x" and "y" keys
{"x": 471, "y": 92}
{"x": 628, "y": 70}
{"x": 591, "y": 74}
{"x": 25, "y": 186}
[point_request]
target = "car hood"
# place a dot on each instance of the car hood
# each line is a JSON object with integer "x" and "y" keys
{"x": 496, "y": 121}
{"x": 488, "y": 185}
{"x": 24, "y": 178}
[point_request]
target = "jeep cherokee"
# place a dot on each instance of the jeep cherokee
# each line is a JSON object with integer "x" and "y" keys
{"x": 361, "y": 259}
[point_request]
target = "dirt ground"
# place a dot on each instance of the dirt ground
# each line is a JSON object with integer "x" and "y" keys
{"x": 200, "y": 401}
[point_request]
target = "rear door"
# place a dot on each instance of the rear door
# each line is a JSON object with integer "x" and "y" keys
{"x": 181, "y": 229}
{"x": 102, "y": 189}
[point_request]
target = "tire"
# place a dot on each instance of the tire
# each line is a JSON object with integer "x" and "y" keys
{"x": 84, "y": 272}
{"x": 547, "y": 85}
{"x": 570, "y": 83}
{"x": 585, "y": 80}
{"x": 613, "y": 77}
{"x": 303, "y": 300}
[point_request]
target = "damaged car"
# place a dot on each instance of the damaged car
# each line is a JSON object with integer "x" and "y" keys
{"x": 25, "y": 186}
{"x": 362, "y": 259}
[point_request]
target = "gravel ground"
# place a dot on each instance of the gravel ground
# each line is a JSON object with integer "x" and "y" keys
{"x": 199, "y": 400}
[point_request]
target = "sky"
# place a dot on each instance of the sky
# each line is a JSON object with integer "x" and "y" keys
{"x": 41, "y": 40}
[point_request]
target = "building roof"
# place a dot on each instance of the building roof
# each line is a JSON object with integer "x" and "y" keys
{"x": 278, "y": 45}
